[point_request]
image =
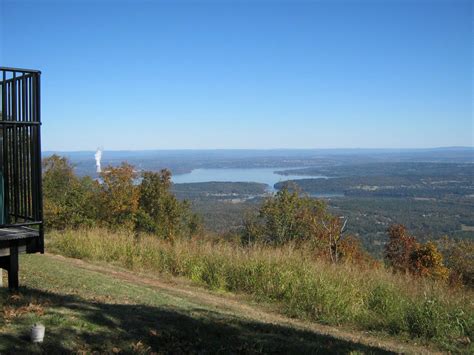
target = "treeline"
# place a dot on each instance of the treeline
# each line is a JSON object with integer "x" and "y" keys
{"x": 391, "y": 169}
{"x": 121, "y": 200}
{"x": 289, "y": 217}
{"x": 145, "y": 204}
{"x": 386, "y": 186}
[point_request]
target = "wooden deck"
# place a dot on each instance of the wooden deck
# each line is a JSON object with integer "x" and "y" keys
{"x": 16, "y": 236}
{"x": 14, "y": 240}
{"x": 17, "y": 233}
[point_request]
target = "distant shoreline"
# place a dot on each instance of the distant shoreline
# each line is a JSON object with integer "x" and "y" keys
{"x": 269, "y": 150}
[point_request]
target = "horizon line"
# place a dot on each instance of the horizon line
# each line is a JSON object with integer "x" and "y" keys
{"x": 253, "y": 149}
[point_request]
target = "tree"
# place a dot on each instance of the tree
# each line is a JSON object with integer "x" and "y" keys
{"x": 285, "y": 217}
{"x": 69, "y": 201}
{"x": 334, "y": 230}
{"x": 58, "y": 174}
{"x": 160, "y": 212}
{"x": 351, "y": 251}
{"x": 399, "y": 248}
{"x": 458, "y": 255}
{"x": 289, "y": 217}
{"x": 404, "y": 254}
{"x": 119, "y": 196}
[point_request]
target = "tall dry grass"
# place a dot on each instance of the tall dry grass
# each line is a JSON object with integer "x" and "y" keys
{"x": 302, "y": 286}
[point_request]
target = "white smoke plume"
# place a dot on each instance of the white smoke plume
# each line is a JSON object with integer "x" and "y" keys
{"x": 98, "y": 157}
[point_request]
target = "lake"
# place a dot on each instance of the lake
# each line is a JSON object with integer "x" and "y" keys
{"x": 261, "y": 175}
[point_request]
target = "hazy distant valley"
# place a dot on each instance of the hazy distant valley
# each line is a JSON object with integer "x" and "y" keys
{"x": 184, "y": 161}
{"x": 430, "y": 191}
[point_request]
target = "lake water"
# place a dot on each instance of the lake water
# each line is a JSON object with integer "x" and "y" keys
{"x": 261, "y": 175}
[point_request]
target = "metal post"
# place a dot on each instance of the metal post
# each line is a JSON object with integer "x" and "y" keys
{"x": 38, "y": 166}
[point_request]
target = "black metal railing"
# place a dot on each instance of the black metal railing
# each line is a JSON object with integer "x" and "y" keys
{"x": 20, "y": 159}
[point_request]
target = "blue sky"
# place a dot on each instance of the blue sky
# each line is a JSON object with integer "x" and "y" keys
{"x": 247, "y": 74}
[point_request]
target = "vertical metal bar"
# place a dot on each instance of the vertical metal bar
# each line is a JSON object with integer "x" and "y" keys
{"x": 15, "y": 148}
{"x": 24, "y": 157}
{"x": 34, "y": 173}
{"x": 6, "y": 161}
{"x": 18, "y": 144}
{"x": 10, "y": 149}
{"x": 19, "y": 148}
{"x": 11, "y": 156}
{"x": 5, "y": 170}
{"x": 25, "y": 152}
{"x": 22, "y": 181}
{"x": 28, "y": 151}
{"x": 38, "y": 168}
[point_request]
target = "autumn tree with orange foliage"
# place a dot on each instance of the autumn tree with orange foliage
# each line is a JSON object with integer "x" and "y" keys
{"x": 119, "y": 196}
{"x": 351, "y": 251}
{"x": 399, "y": 248}
{"x": 404, "y": 254}
{"x": 427, "y": 261}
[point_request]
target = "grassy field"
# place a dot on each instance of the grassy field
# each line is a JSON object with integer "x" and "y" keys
{"x": 90, "y": 308}
{"x": 301, "y": 287}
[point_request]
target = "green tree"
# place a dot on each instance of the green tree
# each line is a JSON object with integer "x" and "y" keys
{"x": 58, "y": 175}
{"x": 69, "y": 201}
{"x": 459, "y": 258}
{"x": 285, "y": 217}
{"x": 160, "y": 212}
{"x": 289, "y": 217}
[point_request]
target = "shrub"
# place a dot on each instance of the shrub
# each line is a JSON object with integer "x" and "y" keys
{"x": 404, "y": 254}
{"x": 427, "y": 261}
{"x": 459, "y": 259}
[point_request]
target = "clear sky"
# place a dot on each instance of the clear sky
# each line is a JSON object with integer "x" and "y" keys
{"x": 247, "y": 74}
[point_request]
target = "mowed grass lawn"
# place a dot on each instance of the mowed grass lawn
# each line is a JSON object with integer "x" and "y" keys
{"x": 87, "y": 310}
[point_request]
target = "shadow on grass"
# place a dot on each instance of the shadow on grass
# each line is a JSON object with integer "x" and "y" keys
{"x": 73, "y": 323}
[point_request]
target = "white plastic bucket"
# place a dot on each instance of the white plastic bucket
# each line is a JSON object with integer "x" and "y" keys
{"x": 37, "y": 333}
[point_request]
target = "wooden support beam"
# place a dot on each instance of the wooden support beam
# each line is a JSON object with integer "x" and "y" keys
{"x": 10, "y": 264}
{"x": 13, "y": 281}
